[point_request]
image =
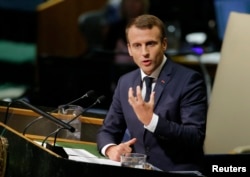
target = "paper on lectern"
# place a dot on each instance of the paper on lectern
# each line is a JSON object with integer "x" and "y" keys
{"x": 85, "y": 156}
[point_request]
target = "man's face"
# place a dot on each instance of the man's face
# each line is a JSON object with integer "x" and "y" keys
{"x": 146, "y": 47}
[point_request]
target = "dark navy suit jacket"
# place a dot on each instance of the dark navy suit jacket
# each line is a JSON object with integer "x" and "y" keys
{"x": 180, "y": 103}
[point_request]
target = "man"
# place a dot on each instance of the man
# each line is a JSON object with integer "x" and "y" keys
{"x": 170, "y": 127}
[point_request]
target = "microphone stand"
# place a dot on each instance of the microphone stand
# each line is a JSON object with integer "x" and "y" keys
{"x": 88, "y": 94}
{"x": 48, "y": 116}
{"x": 58, "y": 149}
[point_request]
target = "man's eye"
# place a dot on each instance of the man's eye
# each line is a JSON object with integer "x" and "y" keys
{"x": 151, "y": 44}
{"x": 136, "y": 45}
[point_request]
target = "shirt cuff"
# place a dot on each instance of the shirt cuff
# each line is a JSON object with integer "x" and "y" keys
{"x": 103, "y": 151}
{"x": 152, "y": 125}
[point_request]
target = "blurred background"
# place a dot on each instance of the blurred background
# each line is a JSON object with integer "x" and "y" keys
{"x": 54, "y": 51}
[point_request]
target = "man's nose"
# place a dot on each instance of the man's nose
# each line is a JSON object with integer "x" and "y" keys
{"x": 145, "y": 50}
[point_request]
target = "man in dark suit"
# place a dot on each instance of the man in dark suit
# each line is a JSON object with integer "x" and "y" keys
{"x": 170, "y": 127}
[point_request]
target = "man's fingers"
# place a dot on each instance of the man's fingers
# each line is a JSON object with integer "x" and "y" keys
{"x": 152, "y": 97}
{"x": 134, "y": 98}
{"x": 138, "y": 94}
{"x": 130, "y": 142}
{"x": 130, "y": 92}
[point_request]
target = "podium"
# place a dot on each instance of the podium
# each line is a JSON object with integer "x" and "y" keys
{"x": 25, "y": 158}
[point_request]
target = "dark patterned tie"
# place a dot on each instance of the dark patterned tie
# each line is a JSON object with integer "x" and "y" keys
{"x": 148, "y": 82}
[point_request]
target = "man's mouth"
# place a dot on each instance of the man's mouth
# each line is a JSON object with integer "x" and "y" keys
{"x": 146, "y": 62}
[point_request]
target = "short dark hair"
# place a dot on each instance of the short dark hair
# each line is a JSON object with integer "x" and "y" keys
{"x": 146, "y": 21}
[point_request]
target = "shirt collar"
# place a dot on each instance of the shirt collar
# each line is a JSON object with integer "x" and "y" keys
{"x": 156, "y": 73}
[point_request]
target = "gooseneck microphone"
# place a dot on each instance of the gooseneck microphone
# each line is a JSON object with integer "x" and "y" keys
{"x": 48, "y": 116}
{"x": 86, "y": 95}
{"x": 99, "y": 100}
{"x": 57, "y": 149}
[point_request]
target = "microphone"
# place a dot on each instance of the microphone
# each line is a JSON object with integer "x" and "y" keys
{"x": 48, "y": 116}
{"x": 57, "y": 149}
{"x": 99, "y": 100}
{"x": 86, "y": 95}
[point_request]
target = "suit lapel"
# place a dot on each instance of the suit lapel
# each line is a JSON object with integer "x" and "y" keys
{"x": 163, "y": 79}
{"x": 137, "y": 80}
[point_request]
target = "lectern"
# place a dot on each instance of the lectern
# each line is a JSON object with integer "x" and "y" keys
{"x": 26, "y": 158}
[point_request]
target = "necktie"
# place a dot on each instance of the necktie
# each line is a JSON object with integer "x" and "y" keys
{"x": 148, "y": 82}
